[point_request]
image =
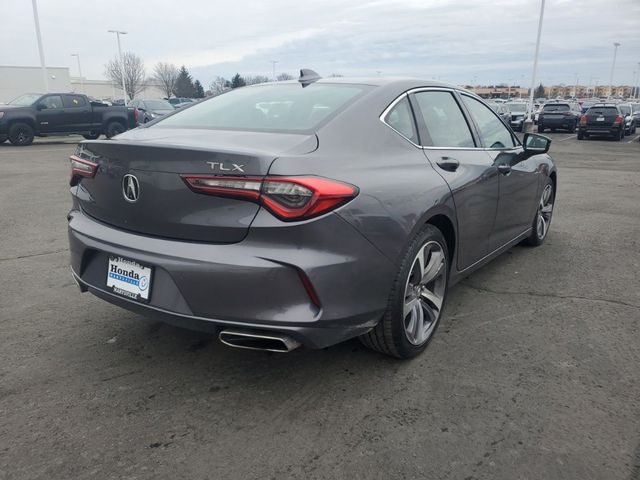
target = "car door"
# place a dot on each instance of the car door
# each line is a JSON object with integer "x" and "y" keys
{"x": 78, "y": 115}
{"x": 519, "y": 177}
{"x": 450, "y": 146}
{"x": 49, "y": 116}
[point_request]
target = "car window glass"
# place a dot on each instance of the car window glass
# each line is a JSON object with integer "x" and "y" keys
{"x": 556, "y": 108}
{"x": 445, "y": 123}
{"x": 52, "y": 101}
{"x": 400, "y": 119}
{"x": 74, "y": 101}
{"x": 493, "y": 131}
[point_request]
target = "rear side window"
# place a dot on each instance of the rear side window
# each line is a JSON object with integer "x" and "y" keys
{"x": 493, "y": 131}
{"x": 74, "y": 101}
{"x": 555, "y": 108}
{"x": 444, "y": 121}
{"x": 269, "y": 107}
{"x": 51, "y": 102}
{"x": 400, "y": 118}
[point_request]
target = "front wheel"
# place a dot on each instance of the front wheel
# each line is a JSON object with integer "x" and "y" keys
{"x": 540, "y": 128}
{"x": 542, "y": 220}
{"x": 417, "y": 298}
{"x": 572, "y": 129}
{"x": 21, "y": 134}
{"x": 580, "y": 135}
{"x": 3, "y": 138}
{"x": 92, "y": 136}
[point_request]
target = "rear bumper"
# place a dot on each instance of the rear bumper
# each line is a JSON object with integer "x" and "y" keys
{"x": 557, "y": 122}
{"x": 595, "y": 130}
{"x": 254, "y": 284}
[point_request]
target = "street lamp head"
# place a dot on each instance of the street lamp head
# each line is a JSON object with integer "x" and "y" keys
{"x": 117, "y": 31}
{"x": 616, "y": 44}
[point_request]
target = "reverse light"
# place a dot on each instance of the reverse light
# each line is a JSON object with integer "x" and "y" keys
{"x": 288, "y": 198}
{"x": 81, "y": 168}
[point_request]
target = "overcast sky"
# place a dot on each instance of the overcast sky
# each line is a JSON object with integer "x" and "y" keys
{"x": 491, "y": 41}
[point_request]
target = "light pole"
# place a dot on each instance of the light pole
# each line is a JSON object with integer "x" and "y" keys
{"x": 273, "y": 63}
{"x": 528, "y": 124}
{"x": 613, "y": 65}
{"x": 509, "y": 89}
{"x": 77, "y": 55}
{"x": 638, "y": 84}
{"x": 575, "y": 89}
{"x": 124, "y": 88}
{"x": 40, "y": 49}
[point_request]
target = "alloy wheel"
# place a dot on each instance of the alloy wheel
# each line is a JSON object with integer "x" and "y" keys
{"x": 424, "y": 293}
{"x": 545, "y": 211}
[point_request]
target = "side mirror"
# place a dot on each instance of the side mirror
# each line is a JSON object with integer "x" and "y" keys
{"x": 535, "y": 144}
{"x": 142, "y": 109}
{"x": 41, "y": 106}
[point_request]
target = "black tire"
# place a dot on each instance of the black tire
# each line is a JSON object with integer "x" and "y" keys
{"x": 389, "y": 336}
{"x": 580, "y": 135}
{"x": 572, "y": 129}
{"x": 114, "y": 128}
{"x": 537, "y": 238}
{"x": 3, "y": 138}
{"x": 540, "y": 128}
{"x": 619, "y": 136}
{"x": 92, "y": 136}
{"x": 21, "y": 135}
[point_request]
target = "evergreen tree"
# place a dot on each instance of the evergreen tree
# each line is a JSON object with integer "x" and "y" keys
{"x": 184, "y": 84}
{"x": 237, "y": 81}
{"x": 199, "y": 91}
{"x": 538, "y": 92}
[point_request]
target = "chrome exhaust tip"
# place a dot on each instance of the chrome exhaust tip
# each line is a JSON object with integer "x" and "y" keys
{"x": 269, "y": 342}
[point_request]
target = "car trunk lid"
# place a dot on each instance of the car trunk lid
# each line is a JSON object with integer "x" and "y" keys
{"x": 164, "y": 206}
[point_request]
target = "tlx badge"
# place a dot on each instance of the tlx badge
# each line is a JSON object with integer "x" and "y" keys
{"x": 229, "y": 167}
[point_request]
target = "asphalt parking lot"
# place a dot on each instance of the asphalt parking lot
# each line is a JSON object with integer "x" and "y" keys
{"x": 534, "y": 373}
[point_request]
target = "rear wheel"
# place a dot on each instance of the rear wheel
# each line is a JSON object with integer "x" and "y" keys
{"x": 416, "y": 300}
{"x": 619, "y": 136}
{"x": 542, "y": 220}
{"x": 572, "y": 129}
{"x": 92, "y": 136}
{"x": 3, "y": 138}
{"x": 580, "y": 135}
{"x": 114, "y": 128}
{"x": 21, "y": 134}
{"x": 540, "y": 128}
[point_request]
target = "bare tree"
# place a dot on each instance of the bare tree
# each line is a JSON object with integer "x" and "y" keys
{"x": 255, "y": 80}
{"x": 134, "y": 73}
{"x": 284, "y": 76}
{"x": 219, "y": 85}
{"x": 166, "y": 75}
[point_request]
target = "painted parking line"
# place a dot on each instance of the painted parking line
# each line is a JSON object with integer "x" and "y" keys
{"x": 634, "y": 139}
{"x": 567, "y": 138}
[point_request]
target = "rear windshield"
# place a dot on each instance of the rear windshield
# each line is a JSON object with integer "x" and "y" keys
{"x": 603, "y": 111}
{"x": 273, "y": 107}
{"x": 517, "y": 107}
{"x": 555, "y": 108}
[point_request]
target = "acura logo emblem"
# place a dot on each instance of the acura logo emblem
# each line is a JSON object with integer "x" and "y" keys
{"x": 130, "y": 188}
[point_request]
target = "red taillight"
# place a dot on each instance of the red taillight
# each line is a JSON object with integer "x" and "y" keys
{"x": 288, "y": 198}
{"x": 135, "y": 115}
{"x": 618, "y": 120}
{"x": 81, "y": 168}
{"x": 583, "y": 120}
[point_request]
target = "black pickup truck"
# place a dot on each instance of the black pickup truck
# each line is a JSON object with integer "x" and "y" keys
{"x": 37, "y": 115}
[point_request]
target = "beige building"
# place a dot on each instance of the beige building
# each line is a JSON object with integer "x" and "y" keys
{"x": 14, "y": 81}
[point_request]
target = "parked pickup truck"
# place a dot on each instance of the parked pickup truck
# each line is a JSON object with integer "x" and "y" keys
{"x": 37, "y": 115}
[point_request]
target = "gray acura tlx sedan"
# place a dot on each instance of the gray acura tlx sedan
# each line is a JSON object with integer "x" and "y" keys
{"x": 307, "y": 212}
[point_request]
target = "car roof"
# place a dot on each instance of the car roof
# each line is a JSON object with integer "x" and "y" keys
{"x": 409, "y": 82}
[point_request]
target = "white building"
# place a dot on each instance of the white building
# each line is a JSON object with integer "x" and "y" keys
{"x": 15, "y": 81}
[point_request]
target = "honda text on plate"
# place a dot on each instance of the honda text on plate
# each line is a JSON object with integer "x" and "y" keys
{"x": 307, "y": 212}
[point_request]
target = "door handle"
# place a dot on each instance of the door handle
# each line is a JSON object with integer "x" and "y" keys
{"x": 449, "y": 164}
{"x": 504, "y": 169}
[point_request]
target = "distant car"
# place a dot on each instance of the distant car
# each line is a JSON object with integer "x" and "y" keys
{"x": 586, "y": 105}
{"x": 43, "y": 115}
{"x": 602, "y": 119}
{"x": 559, "y": 115}
{"x": 631, "y": 114}
{"x": 179, "y": 102}
{"x": 502, "y": 111}
{"x": 519, "y": 112}
{"x": 150, "y": 109}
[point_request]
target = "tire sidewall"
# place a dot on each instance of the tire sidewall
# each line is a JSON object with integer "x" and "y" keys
{"x": 534, "y": 239}
{"x": 404, "y": 347}
{"x": 114, "y": 128}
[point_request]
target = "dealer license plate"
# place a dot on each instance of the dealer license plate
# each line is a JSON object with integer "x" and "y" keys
{"x": 128, "y": 278}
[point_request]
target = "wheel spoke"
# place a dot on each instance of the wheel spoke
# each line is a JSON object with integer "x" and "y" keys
{"x": 547, "y": 208}
{"x": 409, "y": 305}
{"x": 433, "y": 268}
{"x": 431, "y": 299}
